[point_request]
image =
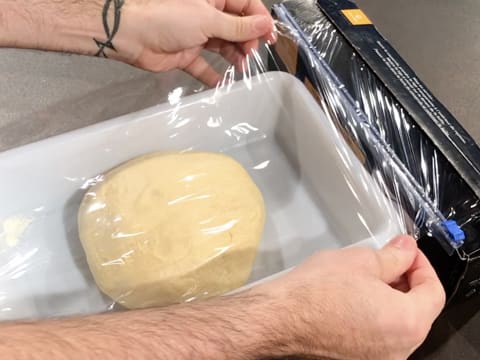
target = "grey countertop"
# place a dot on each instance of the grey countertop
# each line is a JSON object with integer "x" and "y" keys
{"x": 42, "y": 94}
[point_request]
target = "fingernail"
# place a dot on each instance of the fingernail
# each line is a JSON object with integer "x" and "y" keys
{"x": 272, "y": 38}
{"x": 274, "y": 35}
{"x": 261, "y": 23}
{"x": 403, "y": 242}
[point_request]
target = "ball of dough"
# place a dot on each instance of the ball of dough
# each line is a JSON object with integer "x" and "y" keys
{"x": 171, "y": 227}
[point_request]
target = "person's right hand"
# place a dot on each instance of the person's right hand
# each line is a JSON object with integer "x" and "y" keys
{"x": 359, "y": 303}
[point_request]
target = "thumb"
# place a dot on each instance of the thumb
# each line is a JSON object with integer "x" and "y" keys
{"x": 240, "y": 28}
{"x": 397, "y": 257}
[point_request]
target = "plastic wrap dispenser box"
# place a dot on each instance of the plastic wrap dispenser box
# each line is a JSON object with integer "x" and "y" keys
{"x": 335, "y": 39}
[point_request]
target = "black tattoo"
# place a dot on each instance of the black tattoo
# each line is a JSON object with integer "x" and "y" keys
{"x": 107, "y": 44}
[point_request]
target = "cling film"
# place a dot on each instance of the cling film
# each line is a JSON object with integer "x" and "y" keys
{"x": 385, "y": 121}
{"x": 288, "y": 52}
{"x": 404, "y": 134}
{"x": 211, "y": 192}
{"x": 348, "y": 138}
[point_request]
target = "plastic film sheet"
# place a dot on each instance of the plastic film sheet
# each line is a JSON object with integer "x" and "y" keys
{"x": 420, "y": 177}
{"x": 211, "y": 192}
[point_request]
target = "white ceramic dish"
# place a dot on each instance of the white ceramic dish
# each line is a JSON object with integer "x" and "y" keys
{"x": 317, "y": 193}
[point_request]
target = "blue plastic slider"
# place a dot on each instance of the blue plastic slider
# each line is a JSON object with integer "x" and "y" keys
{"x": 456, "y": 233}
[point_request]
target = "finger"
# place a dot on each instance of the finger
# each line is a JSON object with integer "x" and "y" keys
{"x": 240, "y": 28}
{"x": 228, "y": 50}
{"x": 249, "y": 8}
{"x": 203, "y": 71}
{"x": 246, "y": 7}
{"x": 272, "y": 37}
{"x": 396, "y": 258}
{"x": 249, "y": 46}
{"x": 426, "y": 290}
{"x": 401, "y": 284}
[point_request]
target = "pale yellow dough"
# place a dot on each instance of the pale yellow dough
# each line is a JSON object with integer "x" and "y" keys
{"x": 171, "y": 227}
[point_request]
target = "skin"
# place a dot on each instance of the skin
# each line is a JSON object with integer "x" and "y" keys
{"x": 355, "y": 303}
{"x": 153, "y": 34}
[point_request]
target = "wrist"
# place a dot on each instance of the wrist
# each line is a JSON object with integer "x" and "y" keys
{"x": 306, "y": 330}
{"x": 108, "y": 32}
{"x": 271, "y": 319}
{"x": 47, "y": 25}
{"x": 65, "y": 26}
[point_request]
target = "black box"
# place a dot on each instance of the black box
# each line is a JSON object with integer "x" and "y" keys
{"x": 435, "y": 171}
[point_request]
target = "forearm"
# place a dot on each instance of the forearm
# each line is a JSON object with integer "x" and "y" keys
{"x": 63, "y": 25}
{"x": 239, "y": 327}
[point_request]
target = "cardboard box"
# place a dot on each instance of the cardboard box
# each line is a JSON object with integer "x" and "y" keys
{"x": 434, "y": 165}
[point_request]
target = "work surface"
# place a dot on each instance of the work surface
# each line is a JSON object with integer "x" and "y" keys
{"x": 42, "y": 94}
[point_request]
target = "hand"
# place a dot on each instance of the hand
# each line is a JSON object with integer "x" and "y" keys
{"x": 156, "y": 35}
{"x": 359, "y": 303}
{"x": 169, "y": 34}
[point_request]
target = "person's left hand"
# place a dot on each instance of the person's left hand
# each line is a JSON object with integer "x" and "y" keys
{"x": 161, "y": 35}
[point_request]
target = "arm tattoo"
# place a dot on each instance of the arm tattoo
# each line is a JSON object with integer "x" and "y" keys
{"x": 117, "y": 8}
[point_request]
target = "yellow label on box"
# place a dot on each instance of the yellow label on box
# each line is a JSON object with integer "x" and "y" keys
{"x": 357, "y": 17}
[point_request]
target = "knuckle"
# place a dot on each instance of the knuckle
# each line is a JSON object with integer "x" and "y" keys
{"x": 241, "y": 27}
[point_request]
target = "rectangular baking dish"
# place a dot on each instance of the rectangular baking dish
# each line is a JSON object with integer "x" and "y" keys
{"x": 317, "y": 193}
